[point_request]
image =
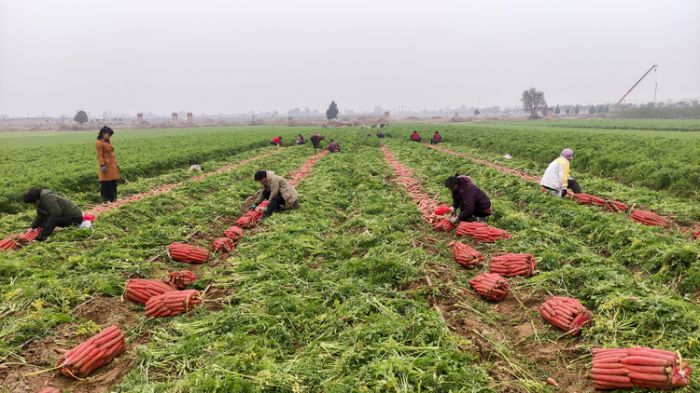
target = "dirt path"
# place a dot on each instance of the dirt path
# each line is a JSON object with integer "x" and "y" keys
{"x": 19, "y": 372}
{"x": 510, "y": 334}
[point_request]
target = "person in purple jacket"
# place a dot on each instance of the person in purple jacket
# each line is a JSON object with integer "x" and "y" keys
{"x": 469, "y": 202}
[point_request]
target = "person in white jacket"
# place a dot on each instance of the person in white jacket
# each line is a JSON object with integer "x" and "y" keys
{"x": 556, "y": 177}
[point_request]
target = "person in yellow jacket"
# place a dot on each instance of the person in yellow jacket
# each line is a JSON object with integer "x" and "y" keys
{"x": 108, "y": 172}
{"x": 557, "y": 177}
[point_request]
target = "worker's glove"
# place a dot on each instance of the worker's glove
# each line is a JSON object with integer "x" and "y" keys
{"x": 29, "y": 230}
{"x": 104, "y": 168}
{"x": 253, "y": 207}
{"x": 454, "y": 220}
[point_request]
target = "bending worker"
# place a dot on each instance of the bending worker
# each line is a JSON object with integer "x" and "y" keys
{"x": 316, "y": 140}
{"x": 52, "y": 211}
{"x": 472, "y": 203}
{"x": 280, "y": 194}
{"x": 557, "y": 178}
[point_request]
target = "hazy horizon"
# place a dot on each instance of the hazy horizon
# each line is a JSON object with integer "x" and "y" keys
{"x": 234, "y": 56}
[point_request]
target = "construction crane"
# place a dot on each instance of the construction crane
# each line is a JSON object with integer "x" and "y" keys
{"x": 635, "y": 85}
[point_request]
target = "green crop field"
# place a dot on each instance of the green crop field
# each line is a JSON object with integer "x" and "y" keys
{"x": 354, "y": 291}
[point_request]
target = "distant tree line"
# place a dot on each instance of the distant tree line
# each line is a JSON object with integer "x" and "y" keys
{"x": 671, "y": 110}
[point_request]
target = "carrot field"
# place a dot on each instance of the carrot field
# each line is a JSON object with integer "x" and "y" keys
{"x": 355, "y": 291}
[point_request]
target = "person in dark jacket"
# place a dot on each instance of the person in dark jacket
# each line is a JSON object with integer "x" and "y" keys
{"x": 52, "y": 211}
{"x": 316, "y": 140}
{"x": 300, "y": 140}
{"x": 468, "y": 199}
{"x": 437, "y": 138}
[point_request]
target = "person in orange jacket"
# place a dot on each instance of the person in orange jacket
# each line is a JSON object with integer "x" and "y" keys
{"x": 108, "y": 172}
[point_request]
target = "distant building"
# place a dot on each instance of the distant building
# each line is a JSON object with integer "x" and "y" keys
{"x": 189, "y": 117}
{"x": 139, "y": 118}
{"x": 173, "y": 118}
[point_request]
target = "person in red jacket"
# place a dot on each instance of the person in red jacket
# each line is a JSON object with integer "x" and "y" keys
{"x": 415, "y": 137}
{"x": 334, "y": 147}
{"x": 437, "y": 138}
{"x": 468, "y": 199}
{"x": 277, "y": 141}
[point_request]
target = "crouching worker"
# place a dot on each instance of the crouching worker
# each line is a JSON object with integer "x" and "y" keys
{"x": 52, "y": 211}
{"x": 334, "y": 147}
{"x": 437, "y": 138}
{"x": 277, "y": 141}
{"x": 557, "y": 178}
{"x": 468, "y": 199}
{"x": 415, "y": 136}
{"x": 275, "y": 189}
{"x": 300, "y": 140}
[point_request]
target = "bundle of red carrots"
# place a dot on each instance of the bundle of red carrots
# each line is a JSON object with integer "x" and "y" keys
{"x": 615, "y": 206}
{"x": 443, "y": 225}
{"x": 140, "y": 290}
{"x": 181, "y": 279}
{"x": 566, "y": 313}
{"x": 696, "y": 235}
{"x": 588, "y": 199}
{"x": 626, "y": 368}
{"x": 223, "y": 244}
{"x": 481, "y": 232}
{"x": 511, "y": 265}
{"x": 489, "y": 234}
{"x": 466, "y": 255}
{"x": 469, "y": 228}
{"x": 8, "y": 243}
{"x": 490, "y": 286}
{"x": 92, "y": 354}
{"x": 13, "y": 241}
{"x": 49, "y": 389}
{"x": 251, "y": 218}
{"x": 170, "y": 304}
{"x": 649, "y": 218}
{"x": 234, "y": 233}
{"x": 182, "y": 252}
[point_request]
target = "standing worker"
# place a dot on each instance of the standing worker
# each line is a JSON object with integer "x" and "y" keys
{"x": 280, "y": 194}
{"x": 334, "y": 147}
{"x": 109, "y": 168}
{"x": 437, "y": 138}
{"x": 316, "y": 140}
{"x": 472, "y": 203}
{"x": 557, "y": 178}
{"x": 415, "y": 137}
{"x": 52, "y": 211}
{"x": 277, "y": 141}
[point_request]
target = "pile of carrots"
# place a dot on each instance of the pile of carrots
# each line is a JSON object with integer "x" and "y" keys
{"x": 649, "y": 218}
{"x": 92, "y": 354}
{"x": 626, "y": 368}
{"x": 566, "y": 313}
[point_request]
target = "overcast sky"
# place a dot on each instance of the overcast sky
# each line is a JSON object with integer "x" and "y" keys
{"x": 161, "y": 56}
